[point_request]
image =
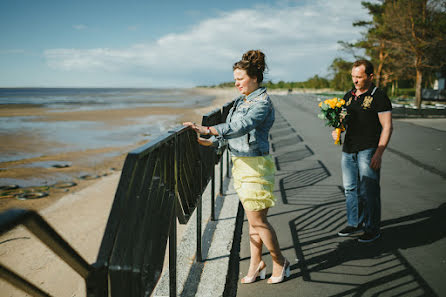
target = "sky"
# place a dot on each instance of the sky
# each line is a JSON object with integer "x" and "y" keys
{"x": 148, "y": 43}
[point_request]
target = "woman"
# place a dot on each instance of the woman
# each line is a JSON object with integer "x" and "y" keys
{"x": 246, "y": 131}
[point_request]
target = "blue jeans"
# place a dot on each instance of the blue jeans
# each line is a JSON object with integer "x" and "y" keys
{"x": 362, "y": 190}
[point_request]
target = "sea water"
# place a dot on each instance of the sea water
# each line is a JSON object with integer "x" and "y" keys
{"x": 84, "y": 135}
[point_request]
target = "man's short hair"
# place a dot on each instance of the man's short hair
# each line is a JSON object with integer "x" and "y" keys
{"x": 367, "y": 64}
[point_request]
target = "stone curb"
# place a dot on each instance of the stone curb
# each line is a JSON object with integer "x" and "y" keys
{"x": 207, "y": 278}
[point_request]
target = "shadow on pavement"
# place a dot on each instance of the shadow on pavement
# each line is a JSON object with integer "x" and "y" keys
{"x": 330, "y": 265}
{"x": 374, "y": 268}
{"x": 353, "y": 268}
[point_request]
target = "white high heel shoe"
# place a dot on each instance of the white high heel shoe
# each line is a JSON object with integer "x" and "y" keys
{"x": 285, "y": 273}
{"x": 261, "y": 272}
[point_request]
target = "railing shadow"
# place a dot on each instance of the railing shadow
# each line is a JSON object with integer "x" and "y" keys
{"x": 309, "y": 174}
{"x": 283, "y": 144}
{"x": 317, "y": 212}
{"x": 324, "y": 258}
{"x": 288, "y": 160}
{"x": 379, "y": 267}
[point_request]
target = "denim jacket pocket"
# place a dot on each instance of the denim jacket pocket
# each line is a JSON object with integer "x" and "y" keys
{"x": 240, "y": 144}
{"x": 252, "y": 137}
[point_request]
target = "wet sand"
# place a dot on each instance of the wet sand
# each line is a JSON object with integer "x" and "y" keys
{"x": 40, "y": 174}
{"x": 79, "y": 214}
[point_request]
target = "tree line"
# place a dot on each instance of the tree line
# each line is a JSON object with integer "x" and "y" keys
{"x": 405, "y": 41}
{"x": 316, "y": 82}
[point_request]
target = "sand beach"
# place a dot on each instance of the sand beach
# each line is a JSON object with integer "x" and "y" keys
{"x": 79, "y": 213}
{"x": 56, "y": 168}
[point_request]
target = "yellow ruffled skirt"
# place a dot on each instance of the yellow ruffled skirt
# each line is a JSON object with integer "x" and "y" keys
{"x": 254, "y": 181}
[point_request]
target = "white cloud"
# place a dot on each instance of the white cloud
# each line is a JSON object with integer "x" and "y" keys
{"x": 298, "y": 41}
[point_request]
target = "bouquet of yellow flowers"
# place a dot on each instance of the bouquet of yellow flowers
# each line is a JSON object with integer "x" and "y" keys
{"x": 331, "y": 112}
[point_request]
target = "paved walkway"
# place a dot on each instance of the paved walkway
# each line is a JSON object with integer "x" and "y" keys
{"x": 409, "y": 259}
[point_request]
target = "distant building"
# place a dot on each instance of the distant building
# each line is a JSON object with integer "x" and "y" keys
{"x": 438, "y": 93}
{"x": 439, "y": 83}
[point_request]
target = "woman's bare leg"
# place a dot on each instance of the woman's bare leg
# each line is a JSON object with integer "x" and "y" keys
{"x": 255, "y": 246}
{"x": 258, "y": 221}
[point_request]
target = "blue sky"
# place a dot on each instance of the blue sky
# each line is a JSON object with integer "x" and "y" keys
{"x": 167, "y": 43}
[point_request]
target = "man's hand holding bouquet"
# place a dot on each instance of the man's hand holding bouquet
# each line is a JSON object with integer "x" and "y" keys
{"x": 332, "y": 113}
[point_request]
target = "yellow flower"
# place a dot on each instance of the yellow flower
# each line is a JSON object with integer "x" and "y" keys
{"x": 333, "y": 103}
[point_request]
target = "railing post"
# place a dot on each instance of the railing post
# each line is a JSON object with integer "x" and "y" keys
{"x": 173, "y": 228}
{"x": 213, "y": 188}
{"x": 97, "y": 281}
{"x": 21, "y": 283}
{"x": 173, "y": 256}
{"x": 227, "y": 162}
{"x": 199, "y": 258}
{"x": 221, "y": 175}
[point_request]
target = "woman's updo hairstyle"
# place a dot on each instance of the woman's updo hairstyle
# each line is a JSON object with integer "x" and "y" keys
{"x": 253, "y": 62}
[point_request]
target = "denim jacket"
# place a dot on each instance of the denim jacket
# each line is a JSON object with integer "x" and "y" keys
{"x": 247, "y": 125}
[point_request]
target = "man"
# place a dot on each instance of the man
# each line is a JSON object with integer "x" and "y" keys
{"x": 368, "y": 130}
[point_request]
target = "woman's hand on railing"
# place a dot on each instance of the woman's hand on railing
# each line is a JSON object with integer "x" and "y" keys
{"x": 204, "y": 141}
{"x": 202, "y": 130}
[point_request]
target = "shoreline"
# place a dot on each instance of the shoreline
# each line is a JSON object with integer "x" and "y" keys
{"x": 92, "y": 163}
{"x": 80, "y": 217}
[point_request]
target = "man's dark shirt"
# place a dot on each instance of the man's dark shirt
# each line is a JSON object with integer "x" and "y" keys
{"x": 362, "y": 122}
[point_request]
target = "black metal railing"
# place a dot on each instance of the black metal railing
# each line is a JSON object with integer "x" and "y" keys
{"x": 210, "y": 119}
{"x": 42, "y": 230}
{"x": 158, "y": 185}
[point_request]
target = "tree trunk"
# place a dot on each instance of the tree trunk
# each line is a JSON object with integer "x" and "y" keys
{"x": 378, "y": 74}
{"x": 382, "y": 57}
{"x": 418, "y": 55}
{"x": 418, "y": 88}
